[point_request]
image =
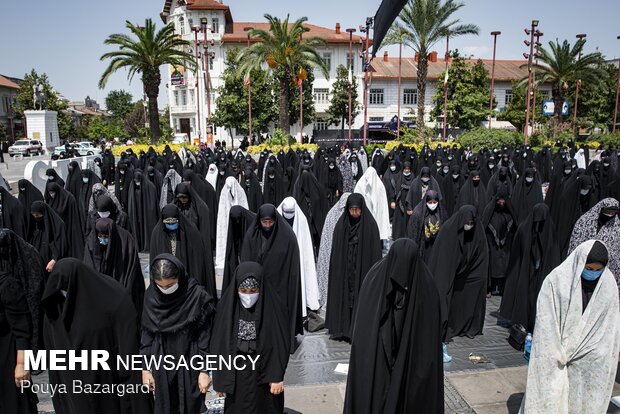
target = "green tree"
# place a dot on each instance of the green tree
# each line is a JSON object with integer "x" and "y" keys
{"x": 134, "y": 120}
{"x": 97, "y": 128}
{"x": 3, "y": 131}
{"x": 164, "y": 124}
{"x": 515, "y": 111}
{"x": 24, "y": 99}
{"x": 427, "y": 22}
{"x": 309, "y": 111}
{"x": 287, "y": 53}
{"x": 119, "y": 103}
{"x": 561, "y": 66}
{"x": 66, "y": 126}
{"x": 597, "y": 101}
{"x": 468, "y": 94}
{"x": 232, "y": 101}
{"x": 339, "y": 105}
{"x": 145, "y": 53}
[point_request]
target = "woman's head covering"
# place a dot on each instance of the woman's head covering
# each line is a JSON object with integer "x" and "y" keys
{"x": 598, "y": 254}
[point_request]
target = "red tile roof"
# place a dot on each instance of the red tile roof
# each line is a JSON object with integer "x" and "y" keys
{"x": 206, "y": 5}
{"x": 505, "y": 70}
{"x": 7, "y": 83}
{"x": 235, "y": 34}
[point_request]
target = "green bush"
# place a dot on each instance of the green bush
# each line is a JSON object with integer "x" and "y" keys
{"x": 489, "y": 138}
{"x": 609, "y": 140}
{"x": 279, "y": 138}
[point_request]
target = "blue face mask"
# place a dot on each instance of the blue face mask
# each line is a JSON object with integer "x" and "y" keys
{"x": 172, "y": 227}
{"x": 103, "y": 241}
{"x": 588, "y": 274}
{"x": 267, "y": 229}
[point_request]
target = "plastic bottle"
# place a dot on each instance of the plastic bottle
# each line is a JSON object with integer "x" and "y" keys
{"x": 528, "y": 346}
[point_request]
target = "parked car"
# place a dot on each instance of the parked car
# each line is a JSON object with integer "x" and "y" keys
{"x": 84, "y": 148}
{"x": 180, "y": 138}
{"x": 26, "y": 147}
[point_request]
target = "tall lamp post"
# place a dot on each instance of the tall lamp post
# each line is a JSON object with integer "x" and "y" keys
{"x": 579, "y": 36}
{"x": 350, "y": 31}
{"x": 445, "y": 91}
{"x": 494, "y": 34}
{"x": 617, "y": 93}
{"x": 366, "y": 67}
{"x": 538, "y": 34}
{"x": 249, "y": 83}
{"x": 530, "y": 43}
{"x": 207, "y": 60}
{"x": 196, "y": 29}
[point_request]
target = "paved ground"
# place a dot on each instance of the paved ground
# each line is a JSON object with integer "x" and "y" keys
{"x": 13, "y": 168}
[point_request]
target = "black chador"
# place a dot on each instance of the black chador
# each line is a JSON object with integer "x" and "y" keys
{"x": 356, "y": 247}
{"x": 396, "y": 361}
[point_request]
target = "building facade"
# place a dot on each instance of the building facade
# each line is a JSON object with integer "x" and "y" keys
{"x": 187, "y": 95}
{"x": 8, "y": 92}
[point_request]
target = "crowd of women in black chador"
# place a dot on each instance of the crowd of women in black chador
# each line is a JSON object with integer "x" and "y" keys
{"x": 465, "y": 225}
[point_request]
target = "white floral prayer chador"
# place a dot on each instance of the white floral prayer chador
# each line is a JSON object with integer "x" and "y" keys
{"x": 373, "y": 190}
{"x": 574, "y": 354}
{"x": 309, "y": 284}
{"x": 232, "y": 195}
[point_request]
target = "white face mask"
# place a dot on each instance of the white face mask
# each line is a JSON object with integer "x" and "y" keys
{"x": 455, "y": 176}
{"x": 104, "y": 214}
{"x": 584, "y": 192}
{"x": 248, "y": 299}
{"x": 529, "y": 179}
{"x": 468, "y": 227}
{"x": 50, "y": 177}
{"x": 85, "y": 180}
{"x": 63, "y": 292}
{"x": 446, "y": 170}
{"x": 425, "y": 179}
{"x": 406, "y": 173}
{"x": 432, "y": 206}
{"x": 170, "y": 290}
{"x": 491, "y": 166}
{"x": 392, "y": 168}
{"x": 288, "y": 214}
{"x": 567, "y": 172}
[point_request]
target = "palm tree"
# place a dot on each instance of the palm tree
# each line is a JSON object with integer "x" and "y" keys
{"x": 427, "y": 22}
{"x": 563, "y": 66}
{"x": 145, "y": 53}
{"x": 286, "y": 53}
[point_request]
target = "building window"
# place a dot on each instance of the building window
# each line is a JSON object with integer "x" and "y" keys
{"x": 181, "y": 25}
{"x": 215, "y": 25}
{"x": 191, "y": 96}
{"x": 352, "y": 62}
{"x": 321, "y": 124}
{"x": 375, "y": 119}
{"x": 211, "y": 59}
{"x": 321, "y": 96}
{"x": 327, "y": 58}
{"x": 176, "y": 98}
{"x": 375, "y": 97}
{"x": 410, "y": 97}
{"x": 546, "y": 95}
{"x": 183, "y": 98}
{"x": 508, "y": 97}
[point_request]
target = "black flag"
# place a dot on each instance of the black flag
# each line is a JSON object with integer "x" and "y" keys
{"x": 386, "y": 14}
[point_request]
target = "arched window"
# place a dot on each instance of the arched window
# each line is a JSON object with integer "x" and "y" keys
{"x": 181, "y": 25}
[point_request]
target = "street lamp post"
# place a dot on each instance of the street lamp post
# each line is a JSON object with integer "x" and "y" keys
{"x": 301, "y": 101}
{"x": 366, "y": 67}
{"x": 400, "y": 65}
{"x": 207, "y": 60}
{"x": 617, "y": 93}
{"x": 196, "y": 29}
{"x": 529, "y": 43}
{"x": 494, "y": 34}
{"x": 445, "y": 92}
{"x": 350, "y": 31}
{"x": 249, "y": 83}
{"x": 579, "y": 36}
{"x": 538, "y": 35}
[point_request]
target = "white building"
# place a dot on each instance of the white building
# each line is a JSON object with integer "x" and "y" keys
{"x": 187, "y": 98}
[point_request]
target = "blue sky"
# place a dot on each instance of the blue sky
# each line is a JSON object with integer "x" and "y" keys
{"x": 64, "y": 38}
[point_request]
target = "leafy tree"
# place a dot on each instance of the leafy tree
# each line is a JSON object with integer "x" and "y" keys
{"x": 561, "y": 67}
{"x": 597, "y": 101}
{"x": 309, "y": 111}
{"x": 427, "y": 22}
{"x": 145, "y": 53}
{"x": 66, "y": 126}
{"x": 119, "y": 103}
{"x": 3, "y": 131}
{"x": 468, "y": 94}
{"x": 515, "y": 111}
{"x": 24, "y": 101}
{"x": 97, "y": 128}
{"x": 135, "y": 120}
{"x": 287, "y": 53}
{"x": 232, "y": 101}
{"x": 339, "y": 106}
{"x": 164, "y": 125}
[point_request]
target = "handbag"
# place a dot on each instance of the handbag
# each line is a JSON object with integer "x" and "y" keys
{"x": 516, "y": 336}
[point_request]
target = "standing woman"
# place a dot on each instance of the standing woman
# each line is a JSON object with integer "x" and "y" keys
{"x": 177, "y": 320}
{"x": 46, "y": 233}
{"x": 575, "y": 345}
{"x": 402, "y": 213}
{"x": 252, "y": 321}
{"x": 428, "y": 217}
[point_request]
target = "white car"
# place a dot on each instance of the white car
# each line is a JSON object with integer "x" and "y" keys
{"x": 84, "y": 148}
{"x": 26, "y": 147}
